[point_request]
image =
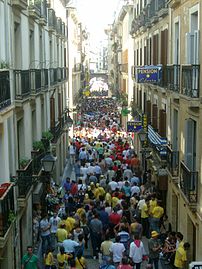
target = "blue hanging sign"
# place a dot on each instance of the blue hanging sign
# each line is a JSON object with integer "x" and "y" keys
{"x": 149, "y": 74}
{"x": 134, "y": 126}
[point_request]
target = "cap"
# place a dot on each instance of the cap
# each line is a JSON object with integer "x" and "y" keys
{"x": 154, "y": 234}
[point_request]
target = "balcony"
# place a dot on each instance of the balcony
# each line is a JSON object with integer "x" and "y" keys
{"x": 59, "y": 26}
{"x": 174, "y": 3}
{"x": 173, "y": 77}
{"x": 173, "y": 161}
{"x": 22, "y": 84}
{"x": 77, "y": 68}
{"x": 5, "y": 97}
{"x": 52, "y": 22}
{"x": 43, "y": 13}
{"x": 6, "y": 211}
{"x": 37, "y": 156}
{"x": 56, "y": 131}
{"x": 162, "y": 8}
{"x": 34, "y": 9}
{"x": 20, "y": 4}
{"x": 191, "y": 80}
{"x": 53, "y": 76}
{"x": 63, "y": 29}
{"x": 36, "y": 79}
{"x": 24, "y": 181}
{"x": 189, "y": 183}
{"x": 44, "y": 78}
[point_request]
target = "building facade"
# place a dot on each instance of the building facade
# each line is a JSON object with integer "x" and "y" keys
{"x": 166, "y": 42}
{"x": 34, "y": 97}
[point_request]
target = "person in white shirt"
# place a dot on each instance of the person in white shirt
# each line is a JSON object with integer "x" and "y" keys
{"x": 113, "y": 185}
{"x": 117, "y": 249}
{"x": 54, "y": 221}
{"x": 135, "y": 189}
{"x": 137, "y": 251}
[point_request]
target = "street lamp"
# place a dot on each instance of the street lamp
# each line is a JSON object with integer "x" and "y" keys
{"x": 48, "y": 163}
{"x": 69, "y": 121}
{"x": 142, "y": 136}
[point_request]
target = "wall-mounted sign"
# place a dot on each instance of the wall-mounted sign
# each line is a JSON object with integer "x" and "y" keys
{"x": 134, "y": 126}
{"x": 149, "y": 74}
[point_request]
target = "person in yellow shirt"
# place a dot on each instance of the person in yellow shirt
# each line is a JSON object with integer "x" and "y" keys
{"x": 80, "y": 261}
{"x": 145, "y": 218}
{"x": 157, "y": 213}
{"x": 181, "y": 255}
{"x": 108, "y": 198}
{"x": 48, "y": 258}
{"x": 62, "y": 258}
{"x": 152, "y": 204}
{"x": 71, "y": 222}
{"x": 61, "y": 233}
{"x": 115, "y": 201}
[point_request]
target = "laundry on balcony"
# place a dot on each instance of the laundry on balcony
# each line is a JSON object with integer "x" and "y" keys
{"x": 160, "y": 143}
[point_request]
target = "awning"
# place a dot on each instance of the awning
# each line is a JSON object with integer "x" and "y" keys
{"x": 159, "y": 142}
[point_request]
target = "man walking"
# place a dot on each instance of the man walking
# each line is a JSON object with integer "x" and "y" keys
{"x": 29, "y": 260}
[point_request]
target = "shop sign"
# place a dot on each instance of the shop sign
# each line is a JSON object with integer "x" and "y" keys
{"x": 149, "y": 74}
{"x": 134, "y": 126}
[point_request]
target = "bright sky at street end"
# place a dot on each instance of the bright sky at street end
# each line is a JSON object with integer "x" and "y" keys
{"x": 96, "y": 15}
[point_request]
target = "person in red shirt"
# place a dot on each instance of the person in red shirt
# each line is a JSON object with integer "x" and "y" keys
{"x": 125, "y": 264}
{"x": 135, "y": 163}
{"x": 74, "y": 188}
{"x": 114, "y": 217}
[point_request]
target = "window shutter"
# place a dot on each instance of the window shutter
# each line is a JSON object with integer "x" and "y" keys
{"x": 154, "y": 50}
{"x": 196, "y": 46}
{"x": 145, "y": 55}
{"x": 189, "y": 48}
{"x": 148, "y": 111}
{"x": 59, "y": 106}
{"x": 140, "y": 56}
{"x": 162, "y": 123}
{"x": 155, "y": 116}
{"x": 150, "y": 51}
{"x": 140, "y": 96}
{"x": 52, "y": 112}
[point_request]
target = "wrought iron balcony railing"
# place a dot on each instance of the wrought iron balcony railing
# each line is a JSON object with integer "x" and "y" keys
{"x": 36, "y": 80}
{"x": 173, "y": 161}
{"x": 24, "y": 180}
{"x": 52, "y": 21}
{"x": 6, "y": 209}
{"x": 189, "y": 183}
{"x": 173, "y": 77}
{"x": 56, "y": 131}
{"x": 5, "y": 95}
{"x": 191, "y": 80}
{"x": 53, "y": 76}
{"x": 22, "y": 83}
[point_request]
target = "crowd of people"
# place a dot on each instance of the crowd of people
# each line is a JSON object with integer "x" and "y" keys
{"x": 111, "y": 205}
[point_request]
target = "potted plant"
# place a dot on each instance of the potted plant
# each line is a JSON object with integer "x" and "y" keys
{"x": 46, "y": 138}
{"x": 4, "y": 65}
{"x": 23, "y": 163}
{"x": 11, "y": 216}
{"x": 48, "y": 135}
{"x": 38, "y": 146}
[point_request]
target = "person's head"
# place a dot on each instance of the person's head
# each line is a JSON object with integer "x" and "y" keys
{"x": 186, "y": 246}
{"x": 62, "y": 250}
{"x": 136, "y": 236}
{"x": 179, "y": 236}
{"x": 154, "y": 234}
{"x": 68, "y": 179}
{"x": 117, "y": 239}
{"x": 125, "y": 260}
{"x": 29, "y": 250}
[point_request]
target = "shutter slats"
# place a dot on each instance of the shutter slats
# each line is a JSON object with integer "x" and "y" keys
{"x": 155, "y": 116}
{"x": 52, "y": 112}
{"x": 162, "y": 123}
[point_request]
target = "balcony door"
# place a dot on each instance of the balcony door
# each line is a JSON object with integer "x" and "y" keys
{"x": 175, "y": 131}
{"x": 190, "y": 144}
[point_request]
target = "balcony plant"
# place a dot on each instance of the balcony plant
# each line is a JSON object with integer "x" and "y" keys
{"x": 11, "y": 216}
{"x": 4, "y": 65}
{"x": 38, "y": 146}
{"x": 46, "y": 138}
{"x": 23, "y": 163}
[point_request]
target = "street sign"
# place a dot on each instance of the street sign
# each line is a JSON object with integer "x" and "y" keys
{"x": 195, "y": 265}
{"x": 134, "y": 126}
